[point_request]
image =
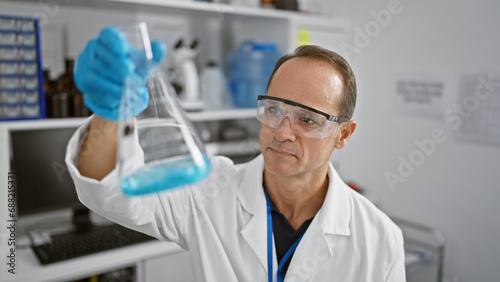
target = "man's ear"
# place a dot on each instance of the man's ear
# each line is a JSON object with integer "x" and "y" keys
{"x": 346, "y": 130}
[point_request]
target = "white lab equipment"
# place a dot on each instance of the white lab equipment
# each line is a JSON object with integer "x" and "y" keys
{"x": 189, "y": 93}
{"x": 424, "y": 251}
{"x": 213, "y": 86}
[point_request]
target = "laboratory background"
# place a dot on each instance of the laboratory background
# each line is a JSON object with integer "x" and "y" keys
{"x": 426, "y": 150}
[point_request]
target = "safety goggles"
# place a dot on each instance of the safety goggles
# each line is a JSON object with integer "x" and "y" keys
{"x": 305, "y": 121}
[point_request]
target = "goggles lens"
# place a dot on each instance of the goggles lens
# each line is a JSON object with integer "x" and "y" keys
{"x": 305, "y": 122}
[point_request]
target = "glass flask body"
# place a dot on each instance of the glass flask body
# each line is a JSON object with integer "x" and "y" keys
{"x": 167, "y": 141}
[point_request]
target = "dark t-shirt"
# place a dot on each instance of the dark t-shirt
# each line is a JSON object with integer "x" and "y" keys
{"x": 285, "y": 235}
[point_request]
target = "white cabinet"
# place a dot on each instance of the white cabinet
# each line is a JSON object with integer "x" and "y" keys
{"x": 176, "y": 267}
{"x": 78, "y": 21}
{"x": 243, "y": 23}
{"x": 323, "y": 32}
{"x": 220, "y": 28}
{"x": 146, "y": 262}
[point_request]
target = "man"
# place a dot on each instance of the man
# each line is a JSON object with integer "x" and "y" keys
{"x": 284, "y": 215}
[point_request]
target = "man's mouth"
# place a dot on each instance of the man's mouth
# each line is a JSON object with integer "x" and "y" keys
{"x": 281, "y": 153}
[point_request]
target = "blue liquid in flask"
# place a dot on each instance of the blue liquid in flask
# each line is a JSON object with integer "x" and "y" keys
{"x": 165, "y": 176}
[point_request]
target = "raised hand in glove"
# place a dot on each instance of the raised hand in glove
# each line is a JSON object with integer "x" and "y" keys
{"x": 103, "y": 67}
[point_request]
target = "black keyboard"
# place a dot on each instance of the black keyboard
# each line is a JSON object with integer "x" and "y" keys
{"x": 97, "y": 239}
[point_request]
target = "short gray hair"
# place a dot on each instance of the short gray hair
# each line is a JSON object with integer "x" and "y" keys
{"x": 348, "y": 101}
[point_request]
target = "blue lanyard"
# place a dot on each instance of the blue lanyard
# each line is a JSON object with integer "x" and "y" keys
{"x": 288, "y": 254}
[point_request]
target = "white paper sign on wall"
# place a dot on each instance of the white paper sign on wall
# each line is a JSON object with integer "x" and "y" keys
{"x": 421, "y": 93}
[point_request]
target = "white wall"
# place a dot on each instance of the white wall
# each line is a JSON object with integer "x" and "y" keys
{"x": 456, "y": 189}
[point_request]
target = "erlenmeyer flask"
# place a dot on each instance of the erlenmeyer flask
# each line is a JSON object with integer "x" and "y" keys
{"x": 173, "y": 152}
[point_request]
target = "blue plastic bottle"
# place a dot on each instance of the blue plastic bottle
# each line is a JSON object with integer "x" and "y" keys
{"x": 249, "y": 69}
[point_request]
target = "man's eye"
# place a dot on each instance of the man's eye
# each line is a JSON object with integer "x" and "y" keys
{"x": 308, "y": 121}
{"x": 274, "y": 110}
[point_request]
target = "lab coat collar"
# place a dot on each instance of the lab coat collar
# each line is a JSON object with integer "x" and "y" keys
{"x": 252, "y": 198}
{"x": 326, "y": 232}
{"x": 250, "y": 192}
{"x": 335, "y": 214}
{"x": 333, "y": 218}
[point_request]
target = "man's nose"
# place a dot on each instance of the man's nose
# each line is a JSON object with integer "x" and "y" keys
{"x": 284, "y": 131}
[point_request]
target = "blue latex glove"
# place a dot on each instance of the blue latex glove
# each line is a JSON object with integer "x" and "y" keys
{"x": 102, "y": 68}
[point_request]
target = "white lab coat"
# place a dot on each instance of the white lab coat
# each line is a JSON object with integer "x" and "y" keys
{"x": 222, "y": 223}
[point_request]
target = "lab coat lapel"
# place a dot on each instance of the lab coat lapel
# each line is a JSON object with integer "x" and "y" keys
{"x": 313, "y": 251}
{"x": 251, "y": 197}
{"x": 326, "y": 232}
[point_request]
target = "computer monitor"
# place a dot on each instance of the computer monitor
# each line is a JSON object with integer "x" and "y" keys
{"x": 37, "y": 156}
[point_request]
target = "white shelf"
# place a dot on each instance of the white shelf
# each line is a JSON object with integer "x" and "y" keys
{"x": 209, "y": 7}
{"x": 229, "y": 114}
{"x": 29, "y": 269}
{"x": 183, "y": 6}
{"x": 46, "y": 123}
{"x": 226, "y": 9}
{"x": 232, "y": 148}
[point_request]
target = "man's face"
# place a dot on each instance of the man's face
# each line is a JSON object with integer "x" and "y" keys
{"x": 312, "y": 83}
